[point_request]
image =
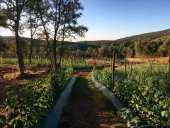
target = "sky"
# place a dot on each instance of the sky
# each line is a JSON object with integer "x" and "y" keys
{"x": 114, "y": 19}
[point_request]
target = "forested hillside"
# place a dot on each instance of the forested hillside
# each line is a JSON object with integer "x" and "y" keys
{"x": 145, "y": 45}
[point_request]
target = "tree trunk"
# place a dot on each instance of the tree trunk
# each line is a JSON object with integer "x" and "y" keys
{"x": 61, "y": 50}
{"x": 50, "y": 52}
{"x": 31, "y": 40}
{"x": 19, "y": 53}
{"x": 54, "y": 53}
{"x": 17, "y": 39}
{"x": 31, "y": 45}
{"x": 61, "y": 45}
{"x": 56, "y": 27}
{"x": 113, "y": 70}
{"x": 46, "y": 35}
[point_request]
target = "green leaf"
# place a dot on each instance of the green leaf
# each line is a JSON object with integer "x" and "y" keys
{"x": 164, "y": 113}
{"x": 19, "y": 124}
{"x": 2, "y": 120}
{"x": 12, "y": 116}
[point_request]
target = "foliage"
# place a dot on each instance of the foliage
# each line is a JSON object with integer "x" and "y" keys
{"x": 104, "y": 76}
{"x": 3, "y": 46}
{"x": 11, "y": 13}
{"x": 36, "y": 62}
{"x": 142, "y": 48}
{"x": 40, "y": 62}
{"x": 32, "y": 101}
{"x": 148, "y": 48}
{"x": 144, "y": 90}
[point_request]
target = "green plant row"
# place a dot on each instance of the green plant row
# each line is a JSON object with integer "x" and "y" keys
{"x": 76, "y": 63}
{"x": 144, "y": 90}
{"x": 46, "y": 62}
{"x": 37, "y": 62}
{"x": 32, "y": 101}
{"x": 104, "y": 76}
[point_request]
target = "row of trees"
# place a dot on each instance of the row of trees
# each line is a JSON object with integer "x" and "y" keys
{"x": 152, "y": 47}
{"x": 141, "y": 48}
{"x": 52, "y": 20}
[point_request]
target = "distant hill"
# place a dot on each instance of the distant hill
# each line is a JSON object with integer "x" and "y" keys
{"x": 151, "y": 35}
{"x": 83, "y": 45}
{"x": 130, "y": 39}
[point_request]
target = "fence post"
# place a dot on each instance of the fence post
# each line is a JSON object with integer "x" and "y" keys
{"x": 111, "y": 63}
{"x": 131, "y": 68}
{"x": 113, "y": 70}
{"x": 1, "y": 59}
{"x": 151, "y": 67}
{"x": 169, "y": 64}
{"x": 70, "y": 58}
{"x": 168, "y": 67}
{"x": 125, "y": 68}
{"x": 94, "y": 64}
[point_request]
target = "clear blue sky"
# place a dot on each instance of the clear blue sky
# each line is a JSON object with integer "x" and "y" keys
{"x": 113, "y": 19}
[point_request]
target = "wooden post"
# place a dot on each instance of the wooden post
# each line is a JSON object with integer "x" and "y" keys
{"x": 168, "y": 68}
{"x": 125, "y": 69}
{"x": 1, "y": 58}
{"x": 94, "y": 64}
{"x": 131, "y": 68}
{"x": 151, "y": 67}
{"x": 111, "y": 63}
{"x": 71, "y": 61}
{"x": 113, "y": 70}
{"x": 169, "y": 64}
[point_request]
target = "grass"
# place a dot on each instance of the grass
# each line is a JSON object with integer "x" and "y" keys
{"x": 158, "y": 60}
{"x": 101, "y": 106}
{"x": 37, "y": 62}
{"x": 111, "y": 111}
{"x": 45, "y": 62}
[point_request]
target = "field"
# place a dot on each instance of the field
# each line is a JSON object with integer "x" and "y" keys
{"x": 22, "y": 102}
{"x": 160, "y": 60}
{"x": 143, "y": 88}
{"x": 39, "y": 68}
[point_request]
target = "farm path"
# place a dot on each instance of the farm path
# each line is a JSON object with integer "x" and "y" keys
{"x": 88, "y": 108}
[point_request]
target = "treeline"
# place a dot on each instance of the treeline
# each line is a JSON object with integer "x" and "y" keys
{"x": 155, "y": 44}
{"x": 157, "y": 47}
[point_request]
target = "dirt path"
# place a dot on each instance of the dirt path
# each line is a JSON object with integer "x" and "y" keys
{"x": 88, "y": 108}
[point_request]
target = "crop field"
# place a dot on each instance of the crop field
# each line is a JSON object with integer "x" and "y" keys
{"x": 22, "y": 102}
{"x": 38, "y": 62}
{"x": 46, "y": 62}
{"x": 143, "y": 88}
{"x": 157, "y": 60}
{"x": 27, "y": 104}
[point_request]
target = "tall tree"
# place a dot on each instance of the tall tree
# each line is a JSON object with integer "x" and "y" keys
{"x": 69, "y": 25}
{"x": 61, "y": 17}
{"x": 32, "y": 24}
{"x": 10, "y": 17}
{"x": 3, "y": 45}
{"x": 43, "y": 8}
{"x": 89, "y": 52}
